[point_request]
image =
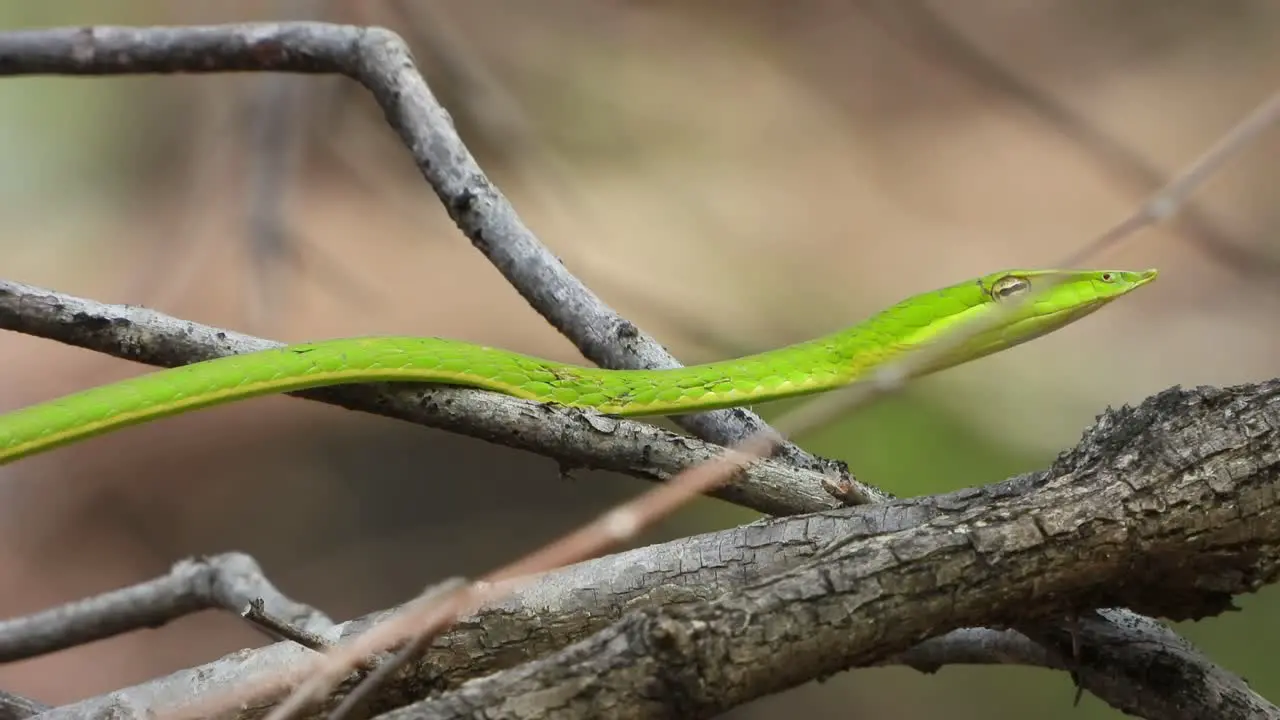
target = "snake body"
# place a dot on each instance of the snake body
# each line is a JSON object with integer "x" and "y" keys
{"x": 804, "y": 368}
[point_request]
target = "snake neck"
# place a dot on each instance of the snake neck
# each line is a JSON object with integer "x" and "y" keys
{"x": 805, "y": 368}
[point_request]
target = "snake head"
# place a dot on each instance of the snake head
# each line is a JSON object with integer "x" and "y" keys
{"x": 1013, "y": 306}
{"x": 1032, "y": 303}
{"x": 1040, "y": 301}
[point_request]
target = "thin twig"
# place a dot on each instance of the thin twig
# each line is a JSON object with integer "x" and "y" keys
{"x": 1168, "y": 200}
{"x": 1162, "y": 205}
{"x": 229, "y": 581}
{"x": 280, "y": 629}
{"x": 274, "y": 151}
{"x": 934, "y": 35}
{"x": 620, "y": 524}
{"x": 362, "y": 694}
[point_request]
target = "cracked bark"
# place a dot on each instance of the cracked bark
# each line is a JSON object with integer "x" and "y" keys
{"x": 1168, "y": 508}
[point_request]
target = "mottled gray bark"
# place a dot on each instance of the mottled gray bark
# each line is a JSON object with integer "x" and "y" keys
{"x": 1170, "y": 508}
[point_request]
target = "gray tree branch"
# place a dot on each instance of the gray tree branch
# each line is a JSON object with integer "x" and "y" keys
{"x": 571, "y": 437}
{"x": 232, "y": 582}
{"x": 1170, "y": 507}
{"x": 380, "y": 61}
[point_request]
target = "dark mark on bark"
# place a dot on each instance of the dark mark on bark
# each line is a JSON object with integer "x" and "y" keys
{"x": 96, "y": 323}
{"x": 462, "y": 203}
{"x": 626, "y": 330}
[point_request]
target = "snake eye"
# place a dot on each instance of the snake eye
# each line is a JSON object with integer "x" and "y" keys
{"x": 1009, "y": 286}
{"x": 1108, "y": 277}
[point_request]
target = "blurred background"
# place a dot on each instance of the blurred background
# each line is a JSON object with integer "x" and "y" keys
{"x": 731, "y": 176}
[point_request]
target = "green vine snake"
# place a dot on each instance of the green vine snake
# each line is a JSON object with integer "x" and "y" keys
{"x": 814, "y": 366}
